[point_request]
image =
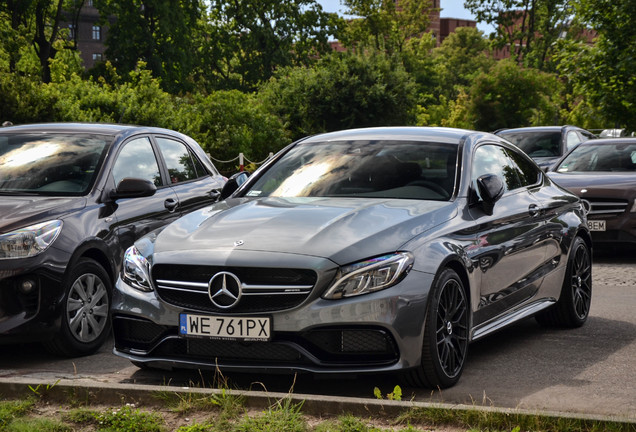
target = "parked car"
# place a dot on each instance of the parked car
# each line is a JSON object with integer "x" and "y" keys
{"x": 546, "y": 144}
{"x": 603, "y": 173}
{"x": 360, "y": 251}
{"x": 74, "y": 197}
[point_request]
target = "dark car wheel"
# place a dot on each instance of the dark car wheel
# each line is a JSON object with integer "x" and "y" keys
{"x": 445, "y": 342}
{"x": 85, "y": 317}
{"x": 573, "y": 306}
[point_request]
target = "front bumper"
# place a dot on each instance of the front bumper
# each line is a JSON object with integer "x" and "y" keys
{"x": 377, "y": 332}
{"x": 30, "y": 292}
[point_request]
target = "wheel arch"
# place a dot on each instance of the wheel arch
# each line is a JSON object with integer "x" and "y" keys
{"x": 97, "y": 251}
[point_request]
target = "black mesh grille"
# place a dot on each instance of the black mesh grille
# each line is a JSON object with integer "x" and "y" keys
{"x": 373, "y": 342}
{"x": 224, "y": 351}
{"x": 138, "y": 333}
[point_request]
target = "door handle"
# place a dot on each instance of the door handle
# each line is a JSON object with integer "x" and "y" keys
{"x": 214, "y": 194}
{"x": 533, "y": 210}
{"x": 171, "y": 204}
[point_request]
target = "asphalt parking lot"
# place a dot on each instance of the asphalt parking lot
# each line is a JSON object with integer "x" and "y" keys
{"x": 587, "y": 371}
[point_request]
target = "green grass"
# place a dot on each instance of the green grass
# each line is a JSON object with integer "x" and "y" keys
{"x": 226, "y": 412}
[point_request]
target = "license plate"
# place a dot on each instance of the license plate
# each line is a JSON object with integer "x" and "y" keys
{"x": 596, "y": 225}
{"x": 224, "y": 327}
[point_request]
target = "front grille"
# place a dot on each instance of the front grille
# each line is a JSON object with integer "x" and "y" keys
{"x": 606, "y": 207}
{"x": 138, "y": 333}
{"x": 226, "y": 351}
{"x": 351, "y": 344}
{"x": 263, "y": 289}
{"x": 325, "y": 347}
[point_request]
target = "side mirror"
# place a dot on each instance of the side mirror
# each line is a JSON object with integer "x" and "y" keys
{"x": 491, "y": 188}
{"x": 233, "y": 183}
{"x": 133, "y": 188}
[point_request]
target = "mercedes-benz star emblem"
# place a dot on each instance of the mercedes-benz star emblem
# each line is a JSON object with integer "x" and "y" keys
{"x": 224, "y": 290}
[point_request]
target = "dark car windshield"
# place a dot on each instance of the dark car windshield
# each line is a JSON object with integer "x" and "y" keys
{"x": 50, "y": 164}
{"x": 535, "y": 144}
{"x": 378, "y": 169}
{"x": 600, "y": 157}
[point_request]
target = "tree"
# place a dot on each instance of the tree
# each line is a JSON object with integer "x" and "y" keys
{"x": 603, "y": 73}
{"x": 511, "y": 96}
{"x": 342, "y": 91}
{"x": 38, "y": 23}
{"x": 164, "y": 34}
{"x": 386, "y": 25}
{"x": 247, "y": 40}
{"x": 528, "y": 28}
{"x": 462, "y": 56}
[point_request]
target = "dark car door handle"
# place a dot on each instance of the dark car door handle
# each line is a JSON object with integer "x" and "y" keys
{"x": 214, "y": 194}
{"x": 171, "y": 204}
{"x": 533, "y": 210}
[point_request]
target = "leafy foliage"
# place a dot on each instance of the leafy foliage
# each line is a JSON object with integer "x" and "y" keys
{"x": 511, "y": 96}
{"x": 342, "y": 91}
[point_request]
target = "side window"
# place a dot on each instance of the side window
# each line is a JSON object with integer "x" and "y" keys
{"x": 137, "y": 159}
{"x": 527, "y": 172}
{"x": 492, "y": 159}
{"x": 572, "y": 140}
{"x": 182, "y": 165}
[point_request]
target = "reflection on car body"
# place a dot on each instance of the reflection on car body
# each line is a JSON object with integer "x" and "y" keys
{"x": 74, "y": 197}
{"x": 369, "y": 250}
{"x": 603, "y": 173}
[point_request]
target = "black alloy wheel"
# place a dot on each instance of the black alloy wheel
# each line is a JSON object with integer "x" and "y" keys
{"x": 573, "y": 306}
{"x": 445, "y": 344}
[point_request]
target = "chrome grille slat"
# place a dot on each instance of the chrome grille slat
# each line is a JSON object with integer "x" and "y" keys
{"x": 262, "y": 289}
{"x": 604, "y": 207}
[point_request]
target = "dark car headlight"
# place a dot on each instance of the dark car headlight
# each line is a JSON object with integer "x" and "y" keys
{"x": 370, "y": 275}
{"x": 30, "y": 241}
{"x": 136, "y": 270}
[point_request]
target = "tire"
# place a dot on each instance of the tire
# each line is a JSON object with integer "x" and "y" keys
{"x": 573, "y": 306}
{"x": 445, "y": 343}
{"x": 85, "y": 317}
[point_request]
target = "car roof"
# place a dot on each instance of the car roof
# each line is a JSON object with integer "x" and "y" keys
{"x": 537, "y": 129}
{"x": 435, "y": 134}
{"x": 609, "y": 141}
{"x": 95, "y": 128}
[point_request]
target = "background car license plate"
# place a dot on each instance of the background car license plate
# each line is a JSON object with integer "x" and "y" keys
{"x": 596, "y": 225}
{"x": 224, "y": 327}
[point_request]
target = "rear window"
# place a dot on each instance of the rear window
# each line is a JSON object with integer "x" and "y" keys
{"x": 535, "y": 144}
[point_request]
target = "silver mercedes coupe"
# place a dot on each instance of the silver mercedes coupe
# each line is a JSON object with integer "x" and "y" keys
{"x": 360, "y": 251}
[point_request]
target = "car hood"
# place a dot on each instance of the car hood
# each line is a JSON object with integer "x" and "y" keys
{"x": 21, "y": 211}
{"x": 597, "y": 184}
{"x": 340, "y": 229}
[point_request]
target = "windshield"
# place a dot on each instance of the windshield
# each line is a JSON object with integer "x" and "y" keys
{"x": 536, "y": 144}
{"x": 50, "y": 164}
{"x": 604, "y": 157}
{"x": 378, "y": 169}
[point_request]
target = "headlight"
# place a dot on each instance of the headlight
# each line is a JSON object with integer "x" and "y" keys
{"x": 30, "y": 241}
{"x": 371, "y": 275}
{"x": 136, "y": 270}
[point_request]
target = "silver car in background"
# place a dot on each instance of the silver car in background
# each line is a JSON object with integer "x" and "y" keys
{"x": 361, "y": 251}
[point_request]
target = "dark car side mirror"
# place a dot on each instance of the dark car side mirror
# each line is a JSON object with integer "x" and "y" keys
{"x": 133, "y": 188}
{"x": 491, "y": 188}
{"x": 233, "y": 183}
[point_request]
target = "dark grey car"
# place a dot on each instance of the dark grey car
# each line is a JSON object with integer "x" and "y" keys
{"x": 73, "y": 198}
{"x": 546, "y": 144}
{"x": 371, "y": 250}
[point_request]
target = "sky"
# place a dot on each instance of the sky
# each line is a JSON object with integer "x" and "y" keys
{"x": 450, "y": 9}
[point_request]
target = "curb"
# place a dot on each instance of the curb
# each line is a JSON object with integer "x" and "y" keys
{"x": 105, "y": 393}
